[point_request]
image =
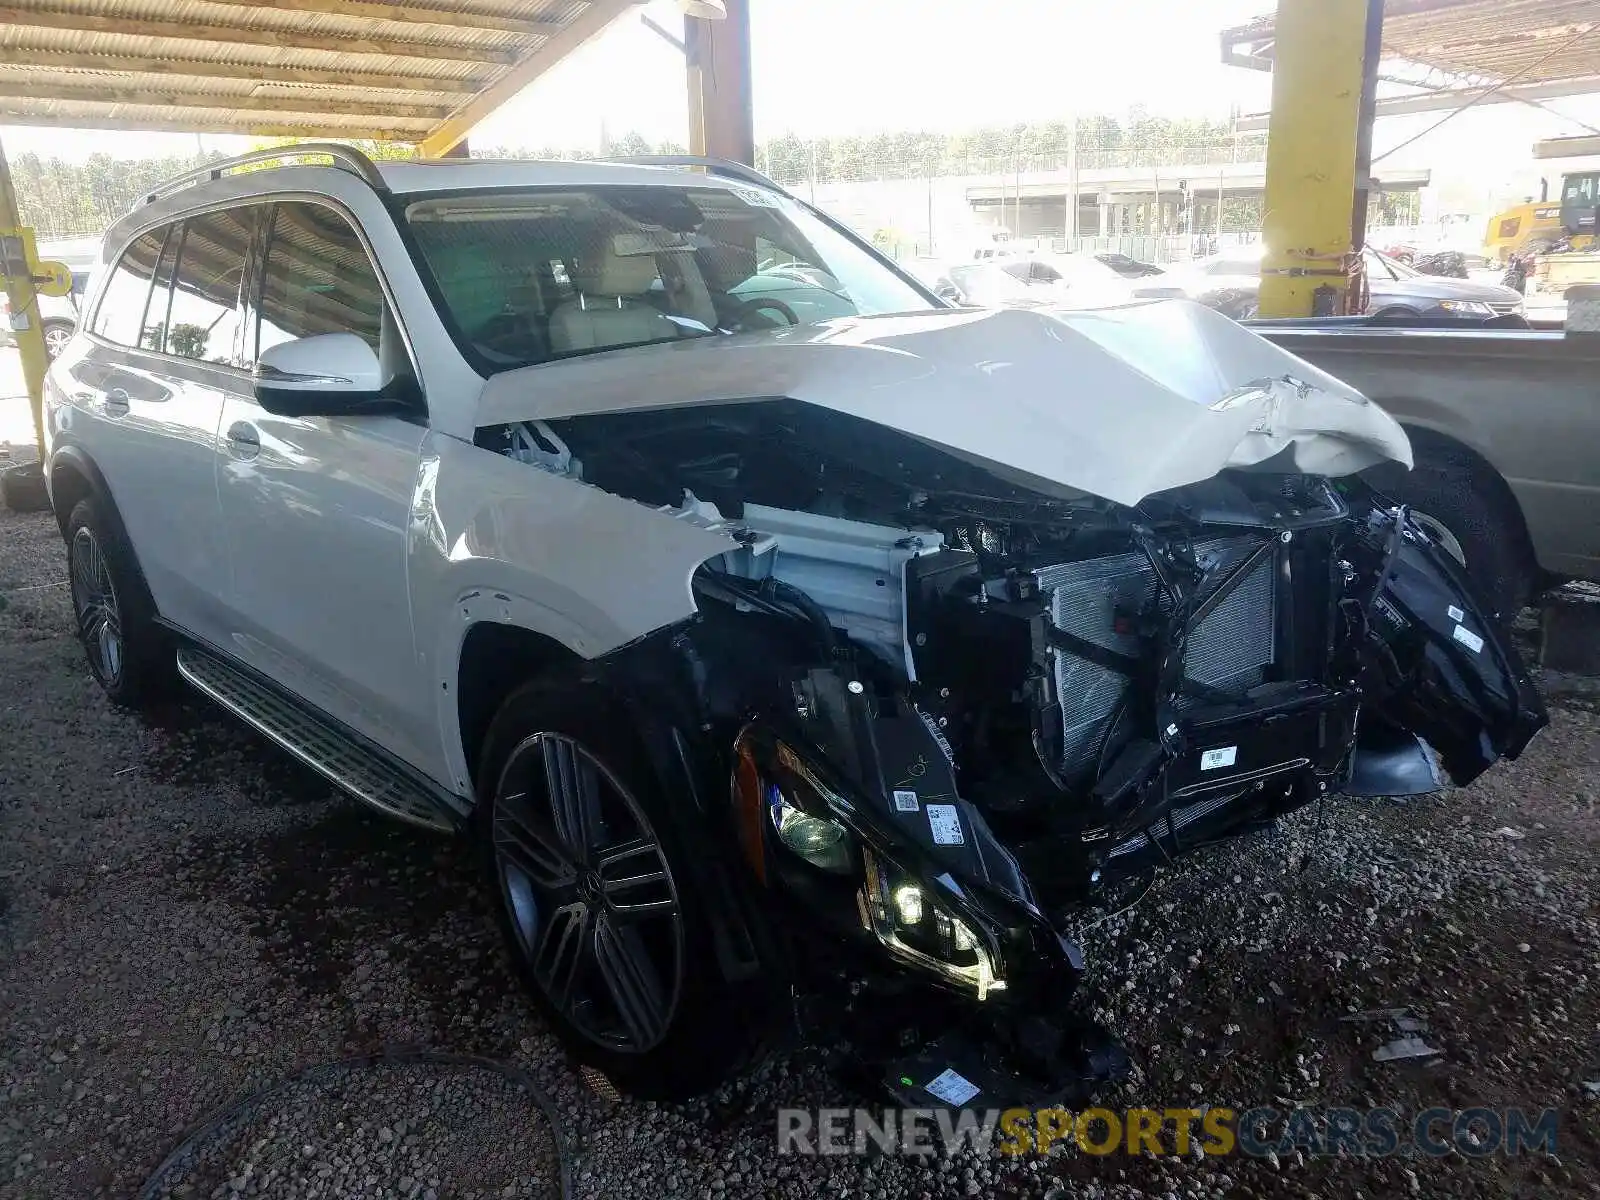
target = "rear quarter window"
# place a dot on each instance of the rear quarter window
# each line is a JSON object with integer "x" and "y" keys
{"x": 120, "y": 315}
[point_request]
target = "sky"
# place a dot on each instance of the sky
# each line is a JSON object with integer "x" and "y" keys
{"x": 825, "y": 67}
{"x": 852, "y": 66}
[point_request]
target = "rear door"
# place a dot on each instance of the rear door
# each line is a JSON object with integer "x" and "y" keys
{"x": 318, "y": 509}
{"x": 148, "y": 392}
{"x": 1436, "y": 663}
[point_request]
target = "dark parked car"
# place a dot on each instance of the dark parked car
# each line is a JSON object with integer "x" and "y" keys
{"x": 1231, "y": 283}
{"x": 1128, "y": 267}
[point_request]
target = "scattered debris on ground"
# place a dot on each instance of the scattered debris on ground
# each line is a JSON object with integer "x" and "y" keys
{"x": 186, "y": 917}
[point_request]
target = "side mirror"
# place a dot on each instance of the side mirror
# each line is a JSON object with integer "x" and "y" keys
{"x": 327, "y": 374}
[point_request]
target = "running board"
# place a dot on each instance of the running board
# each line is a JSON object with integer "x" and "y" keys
{"x": 338, "y": 757}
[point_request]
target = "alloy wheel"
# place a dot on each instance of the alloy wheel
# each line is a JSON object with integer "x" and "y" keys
{"x": 94, "y": 601}
{"x": 56, "y": 339}
{"x": 591, "y": 899}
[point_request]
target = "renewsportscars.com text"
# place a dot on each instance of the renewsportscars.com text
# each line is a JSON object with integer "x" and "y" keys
{"x": 1256, "y": 1132}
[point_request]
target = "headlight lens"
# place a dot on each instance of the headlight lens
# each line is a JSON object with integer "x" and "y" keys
{"x": 821, "y": 841}
{"x": 1467, "y": 308}
{"x": 908, "y": 919}
{"x": 777, "y": 797}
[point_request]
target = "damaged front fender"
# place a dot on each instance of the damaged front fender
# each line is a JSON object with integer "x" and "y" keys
{"x": 1433, "y": 661}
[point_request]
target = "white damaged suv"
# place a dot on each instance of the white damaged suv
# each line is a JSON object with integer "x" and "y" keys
{"x": 803, "y": 653}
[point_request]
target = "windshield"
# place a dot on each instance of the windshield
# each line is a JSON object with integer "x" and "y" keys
{"x": 541, "y": 274}
{"x": 1081, "y": 269}
{"x": 1395, "y": 268}
{"x": 989, "y": 283}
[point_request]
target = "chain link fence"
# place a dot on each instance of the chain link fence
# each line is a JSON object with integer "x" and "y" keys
{"x": 792, "y": 161}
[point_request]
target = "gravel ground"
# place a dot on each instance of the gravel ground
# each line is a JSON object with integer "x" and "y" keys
{"x": 186, "y": 916}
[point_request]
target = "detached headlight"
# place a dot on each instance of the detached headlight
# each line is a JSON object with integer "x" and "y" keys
{"x": 1467, "y": 308}
{"x": 908, "y": 919}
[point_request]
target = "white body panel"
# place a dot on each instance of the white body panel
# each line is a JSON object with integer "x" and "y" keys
{"x": 1118, "y": 402}
{"x": 318, "y": 521}
{"x": 152, "y": 425}
{"x": 495, "y": 540}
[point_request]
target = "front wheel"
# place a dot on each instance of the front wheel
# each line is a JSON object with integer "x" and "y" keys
{"x": 598, "y": 897}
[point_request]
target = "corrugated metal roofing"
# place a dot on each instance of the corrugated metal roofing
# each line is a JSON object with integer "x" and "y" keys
{"x": 1497, "y": 41}
{"x": 406, "y": 70}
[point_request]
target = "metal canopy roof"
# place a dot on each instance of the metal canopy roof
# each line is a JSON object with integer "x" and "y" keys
{"x": 420, "y": 71}
{"x": 1484, "y": 41}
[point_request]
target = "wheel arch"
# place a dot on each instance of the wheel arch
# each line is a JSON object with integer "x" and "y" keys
{"x": 74, "y": 477}
{"x": 494, "y": 660}
{"x": 1440, "y": 447}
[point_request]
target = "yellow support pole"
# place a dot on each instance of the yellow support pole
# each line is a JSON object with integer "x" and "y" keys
{"x": 17, "y": 258}
{"x": 1317, "y": 75}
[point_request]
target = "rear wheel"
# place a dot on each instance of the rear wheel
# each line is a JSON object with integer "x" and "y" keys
{"x": 127, "y": 651}
{"x": 598, "y": 897}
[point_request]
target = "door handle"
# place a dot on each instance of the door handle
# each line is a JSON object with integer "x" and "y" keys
{"x": 244, "y": 442}
{"x": 117, "y": 401}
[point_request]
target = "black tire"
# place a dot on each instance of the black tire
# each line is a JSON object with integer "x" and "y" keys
{"x": 1476, "y": 510}
{"x": 24, "y": 490}
{"x": 111, "y": 598}
{"x": 708, "y": 1035}
{"x": 55, "y": 334}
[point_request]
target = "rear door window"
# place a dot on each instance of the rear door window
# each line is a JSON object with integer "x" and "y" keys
{"x": 203, "y": 322}
{"x": 158, "y": 311}
{"x": 120, "y": 317}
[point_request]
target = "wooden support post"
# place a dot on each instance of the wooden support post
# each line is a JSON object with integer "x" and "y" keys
{"x": 717, "y": 54}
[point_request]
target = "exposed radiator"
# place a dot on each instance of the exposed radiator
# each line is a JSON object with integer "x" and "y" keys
{"x": 1229, "y": 651}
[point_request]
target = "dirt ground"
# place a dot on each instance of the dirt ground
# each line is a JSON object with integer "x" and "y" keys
{"x": 186, "y": 915}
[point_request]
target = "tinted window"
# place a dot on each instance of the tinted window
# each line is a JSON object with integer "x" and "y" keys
{"x": 157, "y": 313}
{"x": 120, "y": 316}
{"x": 204, "y": 317}
{"x": 318, "y": 279}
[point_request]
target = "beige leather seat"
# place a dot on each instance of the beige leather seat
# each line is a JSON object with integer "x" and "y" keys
{"x": 610, "y": 308}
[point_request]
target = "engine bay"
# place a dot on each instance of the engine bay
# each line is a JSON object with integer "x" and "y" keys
{"x": 1097, "y": 676}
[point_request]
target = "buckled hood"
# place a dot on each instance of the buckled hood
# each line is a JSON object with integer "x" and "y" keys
{"x": 1118, "y": 402}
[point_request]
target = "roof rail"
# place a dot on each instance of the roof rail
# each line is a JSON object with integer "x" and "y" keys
{"x": 344, "y": 157}
{"x": 714, "y": 166}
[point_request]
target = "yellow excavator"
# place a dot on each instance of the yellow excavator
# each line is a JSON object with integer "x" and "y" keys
{"x": 1566, "y": 218}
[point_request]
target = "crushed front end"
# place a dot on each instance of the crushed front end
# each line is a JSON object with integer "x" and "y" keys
{"x": 1079, "y": 702}
{"x": 954, "y": 711}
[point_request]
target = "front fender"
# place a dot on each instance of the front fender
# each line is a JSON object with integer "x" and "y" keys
{"x": 494, "y": 539}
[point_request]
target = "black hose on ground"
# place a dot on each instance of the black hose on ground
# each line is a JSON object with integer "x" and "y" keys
{"x": 225, "y": 1119}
